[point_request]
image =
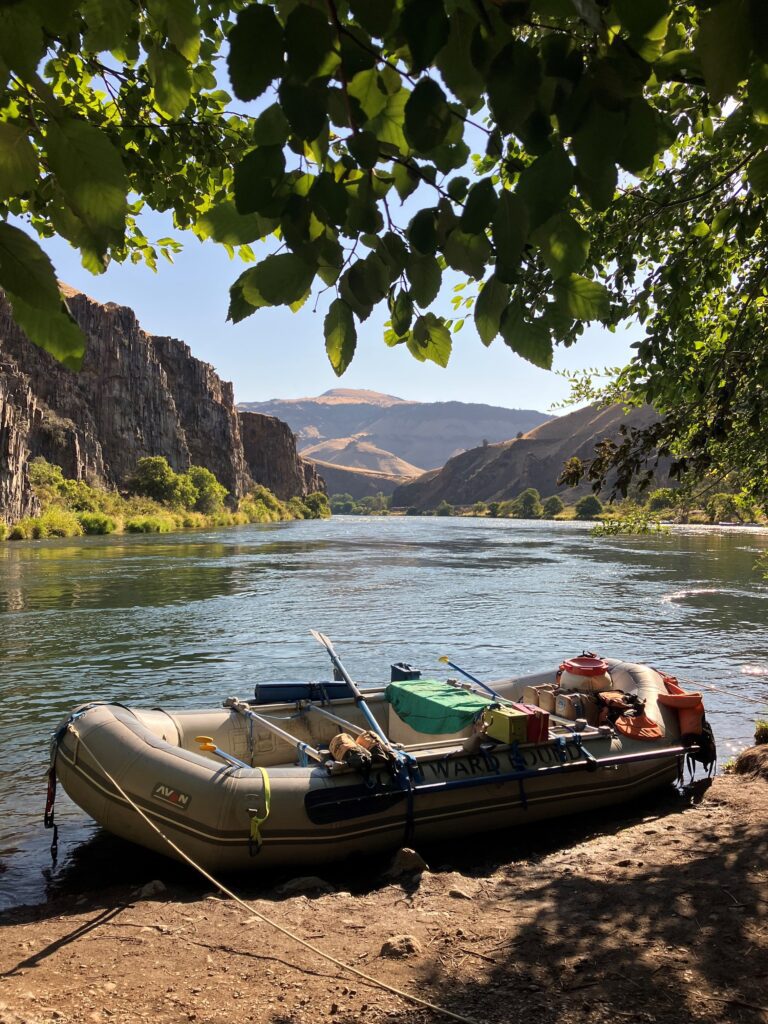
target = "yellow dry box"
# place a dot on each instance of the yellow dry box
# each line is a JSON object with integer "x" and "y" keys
{"x": 505, "y": 725}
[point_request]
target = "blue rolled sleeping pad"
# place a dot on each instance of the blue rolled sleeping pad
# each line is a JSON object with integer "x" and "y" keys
{"x": 288, "y": 693}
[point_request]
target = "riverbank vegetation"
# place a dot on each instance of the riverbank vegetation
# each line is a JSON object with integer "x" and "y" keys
{"x": 644, "y": 513}
{"x": 157, "y": 500}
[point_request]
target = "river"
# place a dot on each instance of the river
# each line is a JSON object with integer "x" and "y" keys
{"x": 189, "y": 619}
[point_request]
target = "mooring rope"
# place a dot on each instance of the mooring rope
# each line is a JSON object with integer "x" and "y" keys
{"x": 262, "y": 917}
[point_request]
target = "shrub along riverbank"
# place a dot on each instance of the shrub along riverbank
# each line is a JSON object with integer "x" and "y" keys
{"x": 157, "y": 500}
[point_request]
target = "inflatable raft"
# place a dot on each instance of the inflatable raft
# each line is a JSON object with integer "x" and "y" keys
{"x": 316, "y": 774}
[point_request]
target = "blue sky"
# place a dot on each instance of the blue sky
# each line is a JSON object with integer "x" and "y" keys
{"x": 279, "y": 354}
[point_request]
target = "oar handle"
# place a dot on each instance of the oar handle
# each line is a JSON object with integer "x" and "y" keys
{"x": 485, "y": 686}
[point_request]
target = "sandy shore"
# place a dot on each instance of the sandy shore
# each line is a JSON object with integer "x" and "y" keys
{"x": 657, "y": 913}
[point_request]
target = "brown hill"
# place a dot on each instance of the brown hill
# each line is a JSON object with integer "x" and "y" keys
{"x": 358, "y": 482}
{"x": 497, "y": 472}
{"x": 345, "y": 396}
{"x": 419, "y": 433}
{"x": 356, "y": 453}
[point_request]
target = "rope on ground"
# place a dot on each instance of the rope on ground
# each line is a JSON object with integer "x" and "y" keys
{"x": 417, "y": 1000}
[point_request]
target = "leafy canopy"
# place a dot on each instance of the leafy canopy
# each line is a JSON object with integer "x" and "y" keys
{"x": 622, "y": 171}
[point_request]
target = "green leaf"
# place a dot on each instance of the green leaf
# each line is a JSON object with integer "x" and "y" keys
{"x": 179, "y": 20}
{"x": 57, "y": 333}
{"x": 545, "y": 184}
{"x": 406, "y": 180}
{"x": 329, "y": 199}
{"x": 468, "y": 253}
{"x": 510, "y": 230}
{"x": 255, "y": 51}
{"x": 455, "y": 64}
{"x": 513, "y": 80}
{"x": 388, "y": 125}
{"x": 366, "y": 88}
{"x": 430, "y": 339}
{"x": 171, "y": 78}
{"x": 648, "y": 18}
{"x": 425, "y": 26}
{"x": 564, "y": 244}
{"x": 528, "y": 338}
{"x": 364, "y": 147}
{"x": 758, "y": 92}
{"x": 305, "y": 106}
{"x": 340, "y": 336}
{"x": 427, "y": 116}
{"x": 375, "y": 16}
{"x": 107, "y": 23}
{"x": 479, "y": 207}
{"x": 641, "y": 137}
{"x": 239, "y": 306}
{"x": 425, "y": 277}
{"x": 271, "y": 127}
{"x": 29, "y": 280}
{"x": 757, "y": 174}
{"x": 596, "y": 143}
{"x": 279, "y": 280}
{"x": 18, "y": 161}
{"x": 723, "y": 46}
{"x": 491, "y": 302}
{"x": 401, "y": 310}
{"x": 583, "y": 299}
{"x": 309, "y": 41}
{"x": 91, "y": 175}
{"x": 21, "y": 38}
{"x": 224, "y": 224}
{"x": 422, "y": 231}
{"x": 257, "y": 178}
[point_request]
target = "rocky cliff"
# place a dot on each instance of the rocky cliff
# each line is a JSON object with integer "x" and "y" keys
{"x": 497, "y": 472}
{"x": 17, "y": 415}
{"x": 271, "y": 457}
{"x": 136, "y": 395}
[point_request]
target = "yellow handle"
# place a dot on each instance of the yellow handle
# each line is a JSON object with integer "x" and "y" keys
{"x": 206, "y": 742}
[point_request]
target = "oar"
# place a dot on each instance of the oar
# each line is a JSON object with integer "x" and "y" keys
{"x": 488, "y": 689}
{"x": 206, "y": 743}
{"x": 321, "y": 638}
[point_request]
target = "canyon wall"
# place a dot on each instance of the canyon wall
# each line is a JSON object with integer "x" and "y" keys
{"x": 272, "y": 459}
{"x": 136, "y": 395}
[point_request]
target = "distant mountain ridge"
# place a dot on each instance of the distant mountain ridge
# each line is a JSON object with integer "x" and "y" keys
{"x": 501, "y": 471}
{"x": 422, "y": 434}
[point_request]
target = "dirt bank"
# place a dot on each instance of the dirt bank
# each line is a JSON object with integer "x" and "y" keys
{"x": 657, "y": 914}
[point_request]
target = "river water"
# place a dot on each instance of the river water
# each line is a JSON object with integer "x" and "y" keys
{"x": 189, "y": 619}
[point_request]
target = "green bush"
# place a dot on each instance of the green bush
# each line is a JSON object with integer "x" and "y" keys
{"x": 761, "y": 731}
{"x": 94, "y": 523}
{"x": 59, "y": 522}
{"x": 493, "y": 508}
{"x": 3, "y": 530}
{"x": 479, "y": 508}
{"x": 444, "y": 509}
{"x": 44, "y": 474}
{"x": 149, "y": 524}
{"x": 662, "y": 497}
{"x": 298, "y": 509}
{"x": 588, "y": 507}
{"x": 527, "y": 505}
{"x": 154, "y": 478}
{"x": 317, "y": 504}
{"x": 21, "y": 530}
{"x": 210, "y": 493}
{"x": 552, "y": 507}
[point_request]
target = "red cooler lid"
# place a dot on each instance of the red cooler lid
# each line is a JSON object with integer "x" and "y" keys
{"x": 585, "y": 665}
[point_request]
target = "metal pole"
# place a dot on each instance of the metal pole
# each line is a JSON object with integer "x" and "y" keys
{"x": 304, "y": 748}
